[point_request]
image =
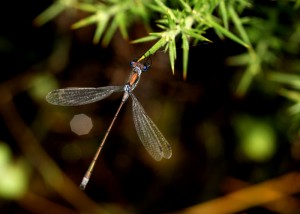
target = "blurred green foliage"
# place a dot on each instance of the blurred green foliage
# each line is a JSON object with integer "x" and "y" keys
{"x": 41, "y": 85}
{"x": 14, "y": 174}
{"x": 257, "y": 138}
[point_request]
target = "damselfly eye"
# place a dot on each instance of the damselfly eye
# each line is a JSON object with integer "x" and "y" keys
{"x": 131, "y": 63}
{"x": 146, "y": 67}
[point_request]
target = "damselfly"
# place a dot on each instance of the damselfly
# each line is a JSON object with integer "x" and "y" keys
{"x": 152, "y": 139}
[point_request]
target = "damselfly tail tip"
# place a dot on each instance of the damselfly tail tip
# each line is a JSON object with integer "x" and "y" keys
{"x": 83, "y": 183}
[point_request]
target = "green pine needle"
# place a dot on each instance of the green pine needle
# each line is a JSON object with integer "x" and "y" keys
{"x": 189, "y": 21}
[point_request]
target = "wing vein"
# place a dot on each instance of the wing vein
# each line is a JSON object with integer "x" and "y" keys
{"x": 152, "y": 139}
{"x": 80, "y": 96}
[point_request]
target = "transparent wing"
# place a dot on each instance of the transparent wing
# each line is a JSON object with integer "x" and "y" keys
{"x": 152, "y": 139}
{"x": 80, "y": 96}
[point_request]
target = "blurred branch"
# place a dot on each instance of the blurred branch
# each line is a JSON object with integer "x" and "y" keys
{"x": 31, "y": 200}
{"x": 256, "y": 195}
{"x": 39, "y": 158}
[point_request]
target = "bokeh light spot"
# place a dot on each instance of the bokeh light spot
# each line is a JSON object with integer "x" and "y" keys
{"x": 81, "y": 124}
{"x": 257, "y": 138}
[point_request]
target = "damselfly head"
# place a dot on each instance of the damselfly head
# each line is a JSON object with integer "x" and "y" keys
{"x": 132, "y": 63}
{"x": 143, "y": 66}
